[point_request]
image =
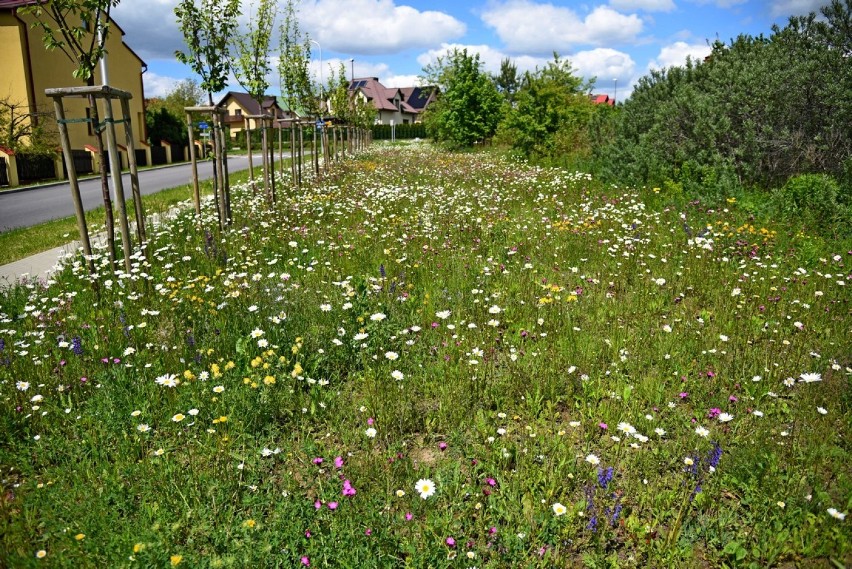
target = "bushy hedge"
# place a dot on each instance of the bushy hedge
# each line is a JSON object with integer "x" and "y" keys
{"x": 403, "y": 131}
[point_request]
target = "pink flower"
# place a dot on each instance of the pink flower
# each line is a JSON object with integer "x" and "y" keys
{"x": 442, "y": 445}
{"x": 332, "y": 505}
{"x": 408, "y": 516}
{"x": 370, "y": 421}
{"x": 451, "y": 542}
{"x": 368, "y": 531}
{"x": 732, "y": 398}
{"x": 305, "y": 561}
{"x": 317, "y": 460}
{"x": 308, "y": 533}
{"x": 338, "y": 462}
{"x": 683, "y": 395}
{"x": 317, "y": 504}
{"x": 491, "y": 482}
{"x": 714, "y": 412}
{"x": 348, "y": 490}
{"x": 603, "y": 426}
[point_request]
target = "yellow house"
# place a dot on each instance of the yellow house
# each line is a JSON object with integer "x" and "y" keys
{"x": 240, "y": 106}
{"x": 27, "y": 68}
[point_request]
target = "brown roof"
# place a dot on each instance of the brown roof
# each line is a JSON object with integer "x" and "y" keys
{"x": 250, "y": 105}
{"x": 412, "y": 99}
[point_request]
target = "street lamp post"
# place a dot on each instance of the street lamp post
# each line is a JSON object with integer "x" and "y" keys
{"x": 615, "y": 95}
{"x": 320, "y": 69}
{"x": 352, "y": 64}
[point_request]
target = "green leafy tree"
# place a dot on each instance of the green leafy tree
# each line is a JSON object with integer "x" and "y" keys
{"x": 185, "y": 93}
{"x": 68, "y": 25}
{"x": 251, "y": 63}
{"x": 251, "y": 67}
{"x": 297, "y": 87}
{"x": 551, "y": 113}
{"x": 207, "y": 29}
{"x": 207, "y": 26}
{"x": 79, "y": 29}
{"x": 508, "y": 81}
{"x": 23, "y": 131}
{"x": 163, "y": 125}
{"x": 165, "y": 117}
{"x": 469, "y": 108}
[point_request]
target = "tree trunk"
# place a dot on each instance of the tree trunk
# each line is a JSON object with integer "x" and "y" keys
{"x": 99, "y": 146}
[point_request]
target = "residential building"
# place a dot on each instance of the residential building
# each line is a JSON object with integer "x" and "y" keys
{"x": 393, "y": 104}
{"x": 242, "y": 105}
{"x": 603, "y": 100}
{"x": 27, "y": 68}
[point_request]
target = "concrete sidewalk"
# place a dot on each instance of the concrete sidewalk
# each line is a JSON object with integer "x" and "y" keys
{"x": 36, "y": 267}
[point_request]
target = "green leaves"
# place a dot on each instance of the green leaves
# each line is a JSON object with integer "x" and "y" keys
{"x": 206, "y": 29}
{"x": 70, "y": 26}
{"x": 251, "y": 63}
{"x": 469, "y": 107}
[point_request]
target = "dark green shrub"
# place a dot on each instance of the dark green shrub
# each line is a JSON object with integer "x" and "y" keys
{"x": 813, "y": 199}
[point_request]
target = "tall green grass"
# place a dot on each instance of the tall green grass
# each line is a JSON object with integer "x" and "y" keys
{"x": 435, "y": 360}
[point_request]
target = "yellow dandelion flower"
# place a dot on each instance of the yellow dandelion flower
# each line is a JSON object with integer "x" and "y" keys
{"x": 138, "y": 547}
{"x": 269, "y": 380}
{"x": 188, "y": 375}
{"x": 230, "y": 365}
{"x": 249, "y": 523}
{"x": 80, "y": 536}
{"x": 175, "y": 559}
{"x": 297, "y": 370}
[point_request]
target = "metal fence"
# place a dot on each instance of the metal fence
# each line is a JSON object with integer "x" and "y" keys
{"x": 35, "y": 167}
{"x": 82, "y": 163}
{"x": 158, "y": 155}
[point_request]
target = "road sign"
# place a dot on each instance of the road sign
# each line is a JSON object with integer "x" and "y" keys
{"x": 203, "y": 125}
{"x": 319, "y": 124}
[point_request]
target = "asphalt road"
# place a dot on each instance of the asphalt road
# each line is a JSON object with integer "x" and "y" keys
{"x": 37, "y": 205}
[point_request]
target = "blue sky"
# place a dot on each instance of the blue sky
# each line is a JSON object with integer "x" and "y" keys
{"x": 616, "y": 41}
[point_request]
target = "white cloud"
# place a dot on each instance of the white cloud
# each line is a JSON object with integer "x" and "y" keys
{"x": 370, "y": 27}
{"x": 606, "y": 65}
{"x": 524, "y": 25}
{"x": 795, "y": 7}
{"x": 400, "y": 80}
{"x": 646, "y": 5}
{"x": 675, "y": 54}
{"x": 158, "y": 85}
{"x": 150, "y": 28}
{"x": 489, "y": 56}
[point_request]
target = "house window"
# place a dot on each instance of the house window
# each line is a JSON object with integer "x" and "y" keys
{"x": 238, "y": 112}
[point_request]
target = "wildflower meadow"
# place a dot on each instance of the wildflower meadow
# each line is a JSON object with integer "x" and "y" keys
{"x": 431, "y": 359}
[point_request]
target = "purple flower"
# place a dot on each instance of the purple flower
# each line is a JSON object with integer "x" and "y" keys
{"x": 604, "y": 477}
{"x": 317, "y": 460}
{"x": 442, "y": 445}
{"x": 338, "y": 463}
{"x": 348, "y": 490}
{"x": 332, "y": 505}
{"x": 451, "y": 542}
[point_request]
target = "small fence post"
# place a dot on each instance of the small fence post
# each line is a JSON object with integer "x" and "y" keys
{"x": 73, "y": 183}
{"x": 134, "y": 172}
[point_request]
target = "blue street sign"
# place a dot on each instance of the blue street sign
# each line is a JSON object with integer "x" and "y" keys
{"x": 319, "y": 124}
{"x": 203, "y": 126}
